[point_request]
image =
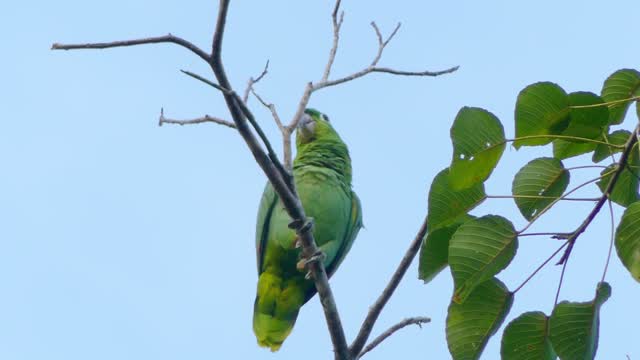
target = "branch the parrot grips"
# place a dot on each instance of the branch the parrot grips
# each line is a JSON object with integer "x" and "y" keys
{"x": 302, "y": 264}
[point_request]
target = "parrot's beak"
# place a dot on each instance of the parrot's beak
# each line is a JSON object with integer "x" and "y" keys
{"x": 306, "y": 128}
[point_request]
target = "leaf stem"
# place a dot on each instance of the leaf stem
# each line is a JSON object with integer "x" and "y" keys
{"x": 566, "y": 137}
{"x": 538, "y": 197}
{"x": 540, "y": 267}
{"x": 614, "y": 102}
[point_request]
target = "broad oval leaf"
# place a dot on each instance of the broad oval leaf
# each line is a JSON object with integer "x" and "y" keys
{"x": 541, "y": 109}
{"x": 618, "y": 137}
{"x": 434, "y": 253}
{"x": 446, "y": 205}
{"x": 628, "y": 240}
{"x": 526, "y": 338}
{"x": 538, "y": 184}
{"x": 622, "y": 84}
{"x": 574, "y": 326}
{"x": 478, "y": 143}
{"x": 478, "y": 250}
{"x": 563, "y": 149}
{"x": 585, "y": 119}
{"x": 471, "y": 325}
{"x": 625, "y": 191}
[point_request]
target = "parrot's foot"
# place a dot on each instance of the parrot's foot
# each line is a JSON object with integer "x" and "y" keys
{"x": 303, "y": 263}
{"x": 301, "y": 227}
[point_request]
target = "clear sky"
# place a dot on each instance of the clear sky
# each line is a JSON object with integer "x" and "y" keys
{"x": 120, "y": 239}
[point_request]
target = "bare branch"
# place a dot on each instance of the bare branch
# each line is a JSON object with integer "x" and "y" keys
{"x": 253, "y": 81}
{"x": 206, "y": 81}
{"x": 337, "y": 24}
{"x": 271, "y": 108}
{"x": 382, "y": 43}
{"x": 633, "y": 140}
{"x": 169, "y": 38}
{"x": 376, "y": 308}
{"x": 300, "y": 223}
{"x": 540, "y": 267}
{"x": 163, "y": 120}
{"x": 406, "y": 322}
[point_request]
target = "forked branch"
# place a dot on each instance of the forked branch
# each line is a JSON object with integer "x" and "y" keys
{"x": 278, "y": 175}
{"x": 382, "y": 337}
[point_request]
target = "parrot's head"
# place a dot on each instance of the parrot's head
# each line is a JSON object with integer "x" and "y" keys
{"x": 314, "y": 125}
{"x": 319, "y": 144}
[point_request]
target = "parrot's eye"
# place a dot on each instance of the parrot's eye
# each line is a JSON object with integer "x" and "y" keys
{"x": 325, "y": 118}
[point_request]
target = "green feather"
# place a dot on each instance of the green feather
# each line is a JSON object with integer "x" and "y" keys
{"x": 322, "y": 174}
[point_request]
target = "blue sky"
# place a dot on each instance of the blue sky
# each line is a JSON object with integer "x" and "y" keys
{"x": 120, "y": 239}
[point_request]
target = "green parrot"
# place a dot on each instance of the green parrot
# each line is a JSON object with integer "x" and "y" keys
{"x": 322, "y": 174}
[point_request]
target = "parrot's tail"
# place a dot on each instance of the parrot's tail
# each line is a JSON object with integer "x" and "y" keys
{"x": 275, "y": 310}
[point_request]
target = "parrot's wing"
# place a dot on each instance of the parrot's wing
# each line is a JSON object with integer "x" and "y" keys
{"x": 267, "y": 204}
{"x": 354, "y": 225}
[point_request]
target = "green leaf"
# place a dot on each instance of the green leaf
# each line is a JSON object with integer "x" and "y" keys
{"x": 478, "y": 250}
{"x": 618, "y": 137}
{"x": 446, "y": 205}
{"x": 538, "y": 184}
{"x": 628, "y": 239}
{"x": 622, "y": 84}
{"x": 541, "y": 109}
{"x": 478, "y": 143}
{"x": 526, "y": 338}
{"x": 434, "y": 253}
{"x": 625, "y": 191}
{"x": 574, "y": 326}
{"x": 563, "y": 149}
{"x": 586, "y": 122}
{"x": 470, "y": 325}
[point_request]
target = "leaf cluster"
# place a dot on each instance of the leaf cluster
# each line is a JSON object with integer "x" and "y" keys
{"x": 477, "y": 248}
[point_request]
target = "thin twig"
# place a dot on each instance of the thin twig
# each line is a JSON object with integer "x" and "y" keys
{"x": 538, "y": 197}
{"x": 586, "y": 167}
{"x": 369, "y": 70}
{"x": 372, "y": 68}
{"x": 169, "y": 38}
{"x": 614, "y": 102}
{"x": 205, "y": 80}
{"x": 606, "y": 264}
{"x": 605, "y": 194}
{"x": 163, "y": 120}
{"x": 253, "y": 81}
{"x": 554, "y": 235}
{"x": 382, "y": 337}
{"x": 564, "y": 269}
{"x": 337, "y": 24}
{"x": 546, "y": 208}
{"x": 376, "y": 308}
{"x": 272, "y": 109}
{"x": 540, "y": 267}
{"x": 272, "y": 154}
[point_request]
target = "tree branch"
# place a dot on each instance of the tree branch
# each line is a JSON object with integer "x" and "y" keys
{"x": 253, "y": 81}
{"x": 633, "y": 139}
{"x": 376, "y": 308}
{"x": 163, "y": 120}
{"x": 325, "y": 82}
{"x": 337, "y": 23}
{"x": 169, "y": 38}
{"x": 382, "y": 337}
{"x": 300, "y": 223}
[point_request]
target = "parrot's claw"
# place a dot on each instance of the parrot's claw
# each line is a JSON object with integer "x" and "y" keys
{"x": 303, "y": 227}
{"x": 303, "y": 263}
